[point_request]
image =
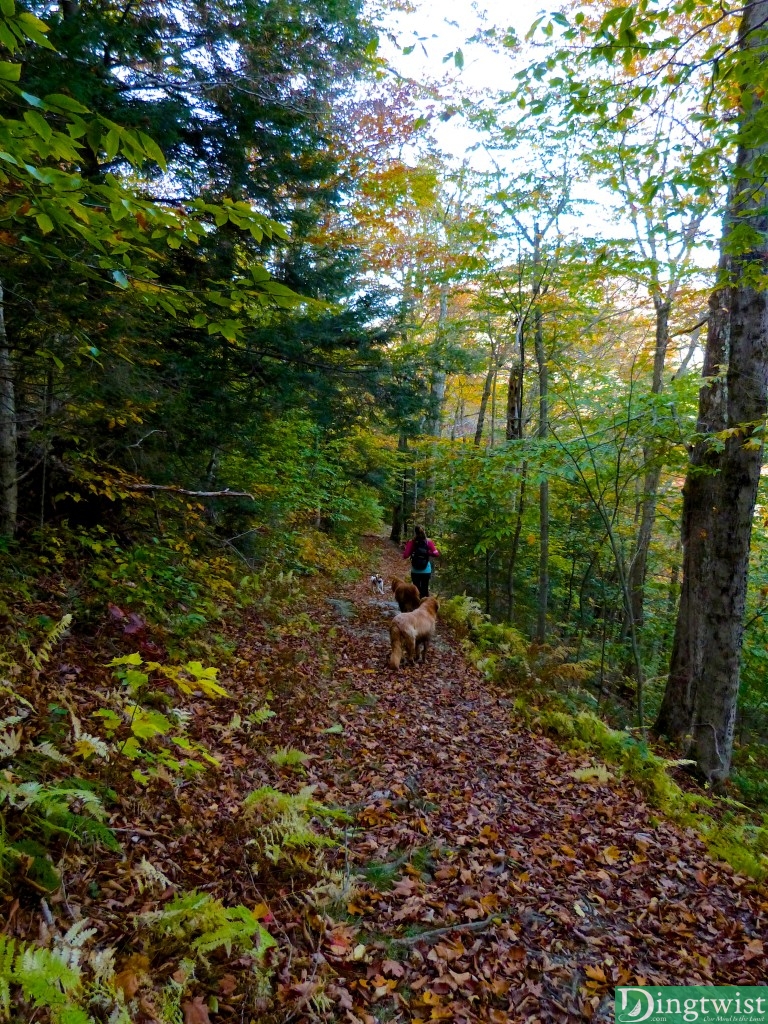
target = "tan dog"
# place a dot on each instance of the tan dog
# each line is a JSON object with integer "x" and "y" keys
{"x": 410, "y": 631}
{"x": 406, "y": 595}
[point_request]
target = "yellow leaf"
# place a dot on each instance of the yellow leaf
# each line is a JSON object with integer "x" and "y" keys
{"x": 611, "y": 854}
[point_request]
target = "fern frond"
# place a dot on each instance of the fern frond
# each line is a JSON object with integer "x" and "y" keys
{"x": 54, "y": 634}
{"x": 48, "y": 750}
{"x": 150, "y": 877}
{"x": 46, "y": 978}
{"x": 201, "y": 923}
{"x": 7, "y": 956}
{"x": 10, "y": 743}
{"x": 78, "y": 934}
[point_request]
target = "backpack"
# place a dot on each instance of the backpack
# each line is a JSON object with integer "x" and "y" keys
{"x": 420, "y": 556}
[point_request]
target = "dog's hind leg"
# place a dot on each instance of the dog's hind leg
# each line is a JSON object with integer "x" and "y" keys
{"x": 397, "y": 650}
{"x": 410, "y": 647}
{"x": 424, "y": 645}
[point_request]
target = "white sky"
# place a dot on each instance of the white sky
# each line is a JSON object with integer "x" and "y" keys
{"x": 438, "y": 27}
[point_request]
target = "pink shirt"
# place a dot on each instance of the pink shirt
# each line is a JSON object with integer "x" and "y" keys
{"x": 408, "y": 549}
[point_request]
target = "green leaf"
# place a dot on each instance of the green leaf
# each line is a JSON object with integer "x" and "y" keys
{"x": 146, "y": 724}
{"x": 62, "y": 102}
{"x": 34, "y": 29}
{"x": 120, "y": 278}
{"x": 38, "y": 124}
{"x": 112, "y": 144}
{"x": 127, "y": 659}
{"x": 9, "y": 72}
{"x": 152, "y": 150}
{"x": 8, "y": 7}
{"x": 458, "y": 59}
{"x": 44, "y": 222}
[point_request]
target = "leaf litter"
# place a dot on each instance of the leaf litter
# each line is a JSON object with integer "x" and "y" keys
{"x": 480, "y": 873}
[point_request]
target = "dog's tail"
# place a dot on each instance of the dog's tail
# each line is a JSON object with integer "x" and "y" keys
{"x": 396, "y": 640}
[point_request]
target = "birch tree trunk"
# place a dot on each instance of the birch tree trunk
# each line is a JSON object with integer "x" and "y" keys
{"x": 8, "y": 436}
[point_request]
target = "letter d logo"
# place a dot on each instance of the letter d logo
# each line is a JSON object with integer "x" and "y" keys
{"x": 641, "y": 1005}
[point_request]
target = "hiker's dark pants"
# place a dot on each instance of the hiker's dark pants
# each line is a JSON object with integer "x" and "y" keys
{"x": 421, "y": 580}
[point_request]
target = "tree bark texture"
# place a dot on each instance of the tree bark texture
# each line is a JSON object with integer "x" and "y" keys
{"x": 719, "y": 507}
{"x": 515, "y": 403}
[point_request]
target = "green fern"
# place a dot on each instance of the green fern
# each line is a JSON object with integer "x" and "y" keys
{"x": 289, "y": 757}
{"x": 282, "y": 824}
{"x": 55, "y": 633}
{"x": 50, "y": 979}
{"x": 198, "y": 922}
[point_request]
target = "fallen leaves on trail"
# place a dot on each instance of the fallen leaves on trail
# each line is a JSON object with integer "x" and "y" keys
{"x": 487, "y": 877}
{"x": 195, "y": 1011}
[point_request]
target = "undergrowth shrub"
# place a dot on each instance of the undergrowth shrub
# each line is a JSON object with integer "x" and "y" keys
{"x": 499, "y": 651}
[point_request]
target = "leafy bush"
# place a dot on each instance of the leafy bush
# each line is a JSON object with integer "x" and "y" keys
{"x": 497, "y": 650}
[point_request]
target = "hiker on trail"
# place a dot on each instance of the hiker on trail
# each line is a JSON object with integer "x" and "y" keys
{"x": 420, "y": 549}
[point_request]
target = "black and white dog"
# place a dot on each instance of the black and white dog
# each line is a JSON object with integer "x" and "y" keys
{"x": 377, "y": 583}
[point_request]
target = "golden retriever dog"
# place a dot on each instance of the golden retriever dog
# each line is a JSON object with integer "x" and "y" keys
{"x": 412, "y": 631}
{"x": 406, "y": 594}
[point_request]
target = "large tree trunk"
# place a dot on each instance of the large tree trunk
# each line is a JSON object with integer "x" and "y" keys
{"x": 720, "y": 508}
{"x": 700, "y": 502}
{"x": 8, "y": 437}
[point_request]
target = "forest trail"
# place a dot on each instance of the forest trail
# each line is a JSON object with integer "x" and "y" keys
{"x": 535, "y": 891}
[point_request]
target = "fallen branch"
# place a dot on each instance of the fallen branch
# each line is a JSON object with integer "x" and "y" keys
{"x": 470, "y": 926}
{"x": 192, "y": 494}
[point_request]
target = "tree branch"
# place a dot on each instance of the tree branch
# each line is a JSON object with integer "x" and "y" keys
{"x": 182, "y": 490}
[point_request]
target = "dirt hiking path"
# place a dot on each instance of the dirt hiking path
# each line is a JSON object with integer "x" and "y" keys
{"x": 484, "y": 881}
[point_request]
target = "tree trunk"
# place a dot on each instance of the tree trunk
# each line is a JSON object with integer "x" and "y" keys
{"x": 437, "y": 384}
{"x": 488, "y": 384}
{"x": 8, "y": 436}
{"x": 700, "y": 499}
{"x": 515, "y": 403}
{"x": 639, "y": 566}
{"x": 399, "y": 514}
{"x": 515, "y": 545}
{"x": 719, "y": 508}
{"x": 543, "y": 486}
